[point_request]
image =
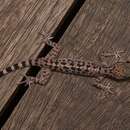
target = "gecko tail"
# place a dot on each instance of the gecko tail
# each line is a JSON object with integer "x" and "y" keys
{"x": 17, "y": 66}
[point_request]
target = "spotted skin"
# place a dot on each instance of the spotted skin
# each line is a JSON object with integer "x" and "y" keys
{"x": 71, "y": 66}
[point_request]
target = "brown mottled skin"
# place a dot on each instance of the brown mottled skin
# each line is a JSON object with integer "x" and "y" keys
{"x": 78, "y": 67}
{"x": 121, "y": 70}
{"x": 50, "y": 63}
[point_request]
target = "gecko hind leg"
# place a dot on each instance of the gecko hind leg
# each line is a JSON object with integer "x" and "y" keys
{"x": 56, "y": 50}
{"x": 47, "y": 38}
{"x": 40, "y": 79}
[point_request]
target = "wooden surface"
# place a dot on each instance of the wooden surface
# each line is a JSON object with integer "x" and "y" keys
{"x": 70, "y": 102}
{"x": 20, "y": 23}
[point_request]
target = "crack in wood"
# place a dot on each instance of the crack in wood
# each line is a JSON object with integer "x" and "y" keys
{"x": 33, "y": 71}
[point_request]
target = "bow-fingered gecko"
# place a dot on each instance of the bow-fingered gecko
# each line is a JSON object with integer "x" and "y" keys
{"x": 118, "y": 71}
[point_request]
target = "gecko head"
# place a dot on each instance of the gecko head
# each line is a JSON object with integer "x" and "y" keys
{"x": 121, "y": 70}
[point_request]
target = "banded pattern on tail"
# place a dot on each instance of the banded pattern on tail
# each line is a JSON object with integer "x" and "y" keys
{"x": 40, "y": 62}
{"x": 17, "y": 66}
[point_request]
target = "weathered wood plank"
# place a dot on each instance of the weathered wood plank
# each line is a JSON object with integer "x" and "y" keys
{"x": 70, "y": 102}
{"x": 20, "y": 22}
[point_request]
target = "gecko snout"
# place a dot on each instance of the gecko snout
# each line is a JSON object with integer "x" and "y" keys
{"x": 121, "y": 70}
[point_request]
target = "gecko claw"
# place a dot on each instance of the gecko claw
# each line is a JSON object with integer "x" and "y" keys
{"x": 28, "y": 81}
{"x": 46, "y": 36}
{"x": 48, "y": 39}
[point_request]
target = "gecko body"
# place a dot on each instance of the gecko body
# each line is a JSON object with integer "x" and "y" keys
{"x": 117, "y": 71}
{"x": 77, "y": 67}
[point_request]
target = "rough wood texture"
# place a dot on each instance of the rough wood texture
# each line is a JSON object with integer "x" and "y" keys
{"x": 70, "y": 102}
{"x": 20, "y": 23}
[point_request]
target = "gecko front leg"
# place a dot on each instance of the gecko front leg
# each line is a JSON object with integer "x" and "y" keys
{"x": 105, "y": 87}
{"x": 99, "y": 83}
{"x": 117, "y": 54}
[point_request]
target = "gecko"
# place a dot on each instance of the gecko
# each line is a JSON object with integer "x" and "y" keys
{"x": 50, "y": 63}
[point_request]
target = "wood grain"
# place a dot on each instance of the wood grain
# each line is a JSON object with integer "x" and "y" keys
{"x": 20, "y": 23}
{"x": 70, "y": 102}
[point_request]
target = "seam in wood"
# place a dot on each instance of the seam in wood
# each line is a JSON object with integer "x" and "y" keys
{"x": 33, "y": 71}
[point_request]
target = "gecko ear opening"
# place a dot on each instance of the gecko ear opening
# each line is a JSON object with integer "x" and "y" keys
{"x": 128, "y": 61}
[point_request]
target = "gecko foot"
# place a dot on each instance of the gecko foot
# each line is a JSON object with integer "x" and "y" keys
{"x": 28, "y": 81}
{"x": 40, "y": 79}
{"x": 106, "y": 88}
{"x": 117, "y": 54}
{"x": 47, "y": 38}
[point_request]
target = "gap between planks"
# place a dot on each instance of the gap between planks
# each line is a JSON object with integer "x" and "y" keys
{"x": 21, "y": 89}
{"x": 70, "y": 102}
